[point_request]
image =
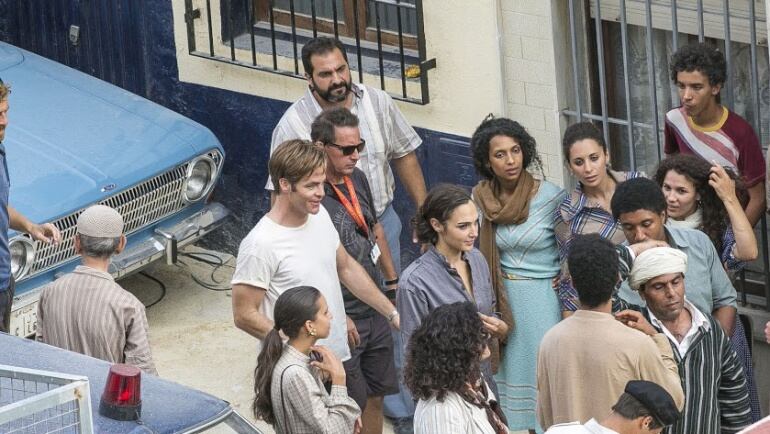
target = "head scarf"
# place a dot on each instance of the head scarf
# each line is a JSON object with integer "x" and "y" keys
{"x": 656, "y": 262}
{"x": 692, "y": 221}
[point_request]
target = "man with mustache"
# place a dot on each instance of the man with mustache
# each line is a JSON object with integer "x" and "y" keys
{"x": 388, "y": 135}
{"x": 371, "y": 371}
{"x": 703, "y": 127}
{"x": 389, "y": 139}
{"x": 10, "y": 218}
{"x": 716, "y": 395}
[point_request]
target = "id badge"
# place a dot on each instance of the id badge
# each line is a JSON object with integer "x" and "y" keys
{"x": 375, "y": 253}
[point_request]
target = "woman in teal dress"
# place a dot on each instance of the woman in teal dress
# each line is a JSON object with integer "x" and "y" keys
{"x": 518, "y": 241}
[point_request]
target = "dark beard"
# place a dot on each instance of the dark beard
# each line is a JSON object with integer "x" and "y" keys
{"x": 332, "y": 98}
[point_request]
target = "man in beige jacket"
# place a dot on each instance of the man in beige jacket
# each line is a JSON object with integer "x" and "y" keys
{"x": 586, "y": 360}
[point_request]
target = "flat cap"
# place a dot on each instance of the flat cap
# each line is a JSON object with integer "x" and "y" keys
{"x": 655, "y": 399}
{"x": 100, "y": 221}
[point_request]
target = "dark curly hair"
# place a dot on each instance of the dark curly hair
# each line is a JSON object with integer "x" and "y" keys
{"x": 636, "y": 194}
{"x": 444, "y": 353}
{"x": 491, "y": 127}
{"x": 593, "y": 266}
{"x": 697, "y": 171}
{"x": 700, "y": 57}
{"x": 581, "y": 131}
{"x": 439, "y": 204}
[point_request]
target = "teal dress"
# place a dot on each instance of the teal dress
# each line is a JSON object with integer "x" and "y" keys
{"x": 529, "y": 260}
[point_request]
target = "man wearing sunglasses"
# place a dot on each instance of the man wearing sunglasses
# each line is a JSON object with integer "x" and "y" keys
{"x": 388, "y": 138}
{"x": 371, "y": 371}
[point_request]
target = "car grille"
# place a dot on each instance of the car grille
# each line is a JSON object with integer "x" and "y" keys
{"x": 140, "y": 206}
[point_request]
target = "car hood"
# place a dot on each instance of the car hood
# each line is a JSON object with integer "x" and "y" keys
{"x": 73, "y": 139}
{"x": 167, "y": 407}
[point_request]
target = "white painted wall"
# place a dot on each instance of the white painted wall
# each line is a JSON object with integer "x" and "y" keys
{"x": 464, "y": 88}
{"x": 529, "y": 53}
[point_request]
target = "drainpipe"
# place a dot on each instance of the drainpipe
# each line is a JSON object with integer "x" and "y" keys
{"x": 503, "y": 110}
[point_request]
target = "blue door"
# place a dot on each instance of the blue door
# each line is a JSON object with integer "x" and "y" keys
{"x": 103, "y": 38}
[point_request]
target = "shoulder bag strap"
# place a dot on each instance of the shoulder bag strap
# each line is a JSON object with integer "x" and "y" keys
{"x": 283, "y": 404}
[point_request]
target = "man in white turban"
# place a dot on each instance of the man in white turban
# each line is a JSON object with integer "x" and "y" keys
{"x": 710, "y": 370}
{"x": 656, "y": 262}
{"x": 86, "y": 311}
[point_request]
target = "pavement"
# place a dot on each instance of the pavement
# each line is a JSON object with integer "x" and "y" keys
{"x": 194, "y": 341}
{"x": 192, "y": 335}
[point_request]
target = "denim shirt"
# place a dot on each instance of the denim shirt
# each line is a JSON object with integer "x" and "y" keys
{"x": 5, "y": 253}
{"x": 705, "y": 282}
{"x": 430, "y": 282}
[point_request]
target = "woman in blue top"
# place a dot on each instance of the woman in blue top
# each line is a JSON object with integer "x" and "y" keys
{"x": 517, "y": 238}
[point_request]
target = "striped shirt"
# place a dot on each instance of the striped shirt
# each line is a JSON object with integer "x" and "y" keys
{"x": 453, "y": 415}
{"x": 732, "y": 142}
{"x": 386, "y": 131}
{"x": 87, "y": 312}
{"x": 577, "y": 215}
{"x": 309, "y": 408}
{"x": 716, "y": 394}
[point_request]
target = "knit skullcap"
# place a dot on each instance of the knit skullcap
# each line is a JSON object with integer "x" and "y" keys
{"x": 100, "y": 221}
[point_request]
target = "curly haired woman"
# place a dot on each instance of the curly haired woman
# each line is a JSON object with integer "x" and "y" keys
{"x": 518, "y": 240}
{"x": 704, "y": 197}
{"x": 443, "y": 371}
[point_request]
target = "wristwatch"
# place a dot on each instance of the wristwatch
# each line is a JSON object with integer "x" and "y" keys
{"x": 392, "y": 315}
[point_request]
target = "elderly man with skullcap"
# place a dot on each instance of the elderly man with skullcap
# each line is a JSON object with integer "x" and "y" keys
{"x": 86, "y": 311}
{"x": 716, "y": 395}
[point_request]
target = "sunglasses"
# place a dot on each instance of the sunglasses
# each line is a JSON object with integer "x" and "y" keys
{"x": 348, "y": 150}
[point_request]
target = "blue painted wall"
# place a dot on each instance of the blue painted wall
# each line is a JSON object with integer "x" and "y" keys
{"x": 130, "y": 43}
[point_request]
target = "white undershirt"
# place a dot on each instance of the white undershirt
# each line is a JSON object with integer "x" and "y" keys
{"x": 698, "y": 320}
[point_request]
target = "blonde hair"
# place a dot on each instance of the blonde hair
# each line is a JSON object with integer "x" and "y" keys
{"x": 5, "y": 90}
{"x": 294, "y": 160}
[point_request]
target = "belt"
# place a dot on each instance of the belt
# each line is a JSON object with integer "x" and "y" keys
{"x": 509, "y": 276}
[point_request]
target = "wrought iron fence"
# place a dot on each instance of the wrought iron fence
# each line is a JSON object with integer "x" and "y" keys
{"x": 385, "y": 39}
{"x": 620, "y": 51}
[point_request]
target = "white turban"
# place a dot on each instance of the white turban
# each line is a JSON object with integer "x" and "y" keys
{"x": 656, "y": 262}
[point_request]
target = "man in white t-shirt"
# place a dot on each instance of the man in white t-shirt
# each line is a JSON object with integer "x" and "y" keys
{"x": 296, "y": 244}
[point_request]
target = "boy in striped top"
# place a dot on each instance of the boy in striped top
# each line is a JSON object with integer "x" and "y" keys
{"x": 704, "y": 127}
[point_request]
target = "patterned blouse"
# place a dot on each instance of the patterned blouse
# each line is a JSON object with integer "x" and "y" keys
{"x": 577, "y": 215}
{"x": 300, "y": 402}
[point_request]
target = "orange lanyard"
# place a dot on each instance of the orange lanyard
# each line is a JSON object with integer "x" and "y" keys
{"x": 353, "y": 209}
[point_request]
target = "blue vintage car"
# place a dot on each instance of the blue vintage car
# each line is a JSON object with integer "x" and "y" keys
{"x": 73, "y": 141}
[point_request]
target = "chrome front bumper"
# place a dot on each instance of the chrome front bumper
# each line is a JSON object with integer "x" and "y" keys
{"x": 164, "y": 243}
{"x": 167, "y": 240}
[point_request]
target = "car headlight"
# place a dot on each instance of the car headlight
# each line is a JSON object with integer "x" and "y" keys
{"x": 201, "y": 173}
{"x": 22, "y": 256}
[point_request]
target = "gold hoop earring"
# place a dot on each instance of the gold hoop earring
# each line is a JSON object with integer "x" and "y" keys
{"x": 311, "y": 332}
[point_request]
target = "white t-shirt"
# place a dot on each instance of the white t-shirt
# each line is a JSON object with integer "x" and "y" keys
{"x": 278, "y": 258}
